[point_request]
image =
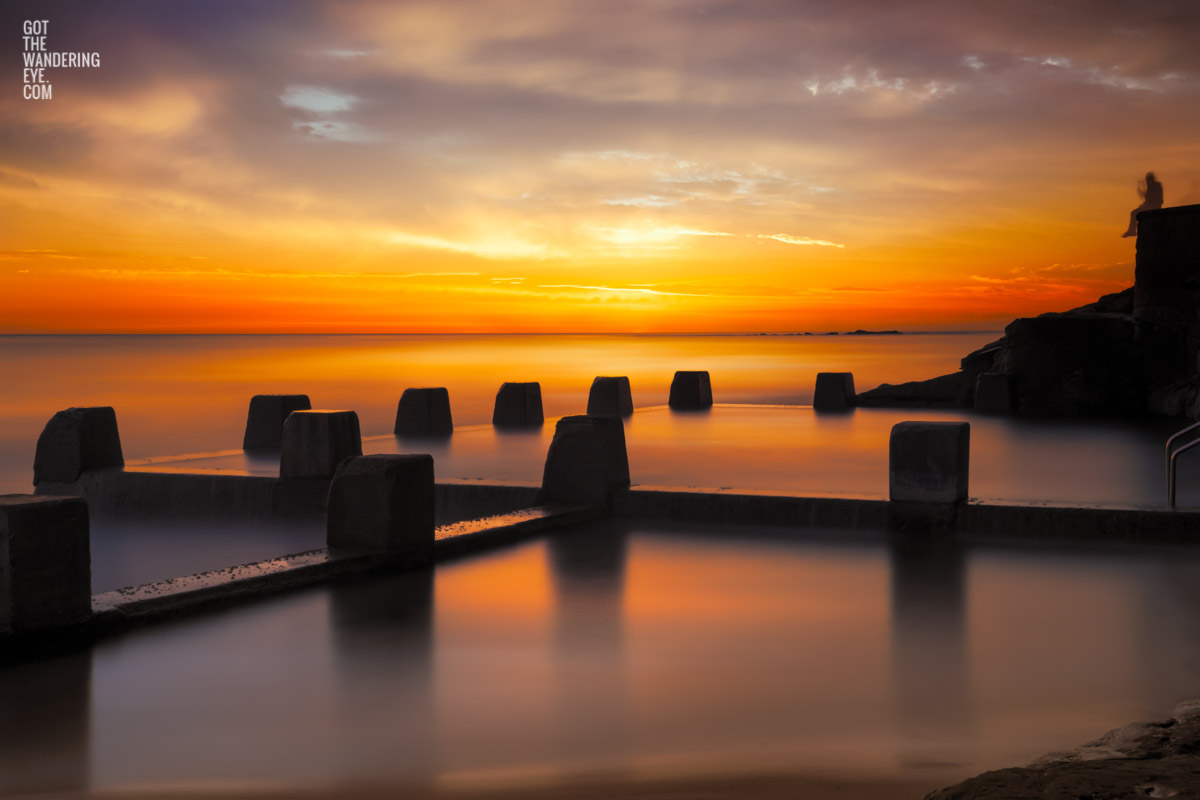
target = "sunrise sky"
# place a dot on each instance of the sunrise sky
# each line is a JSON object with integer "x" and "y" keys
{"x": 617, "y": 165}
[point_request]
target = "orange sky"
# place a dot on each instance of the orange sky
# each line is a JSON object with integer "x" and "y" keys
{"x": 576, "y": 166}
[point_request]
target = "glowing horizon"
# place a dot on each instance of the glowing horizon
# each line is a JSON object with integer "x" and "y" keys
{"x": 557, "y": 167}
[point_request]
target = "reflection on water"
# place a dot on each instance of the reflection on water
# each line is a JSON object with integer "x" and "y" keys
{"x": 45, "y": 725}
{"x": 633, "y": 648}
{"x": 929, "y": 645}
{"x": 382, "y": 636}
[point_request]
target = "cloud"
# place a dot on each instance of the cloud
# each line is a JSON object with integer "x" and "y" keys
{"x": 579, "y": 133}
{"x": 800, "y": 240}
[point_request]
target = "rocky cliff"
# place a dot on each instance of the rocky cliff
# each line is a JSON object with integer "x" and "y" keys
{"x": 1130, "y": 353}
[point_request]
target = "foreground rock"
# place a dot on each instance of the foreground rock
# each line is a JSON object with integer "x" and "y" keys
{"x": 1130, "y": 353}
{"x": 1145, "y": 759}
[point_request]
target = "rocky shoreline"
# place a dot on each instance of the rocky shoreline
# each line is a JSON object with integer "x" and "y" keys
{"x": 1143, "y": 759}
{"x": 1132, "y": 353}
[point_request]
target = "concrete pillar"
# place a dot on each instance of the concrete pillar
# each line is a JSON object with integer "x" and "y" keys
{"x": 586, "y": 462}
{"x": 315, "y": 442}
{"x": 424, "y": 412}
{"x": 928, "y": 462}
{"x": 834, "y": 391}
{"x": 518, "y": 405}
{"x": 994, "y": 393}
{"x": 77, "y": 440}
{"x": 1168, "y": 265}
{"x": 610, "y": 397}
{"x": 45, "y": 562}
{"x": 264, "y": 421}
{"x": 691, "y": 390}
{"x": 382, "y": 502}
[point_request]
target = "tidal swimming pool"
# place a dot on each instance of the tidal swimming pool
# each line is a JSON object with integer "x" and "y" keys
{"x": 633, "y": 647}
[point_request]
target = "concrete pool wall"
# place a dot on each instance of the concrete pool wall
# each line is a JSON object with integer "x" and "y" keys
{"x": 929, "y": 474}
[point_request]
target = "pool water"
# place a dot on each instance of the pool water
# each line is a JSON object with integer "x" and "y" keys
{"x": 630, "y": 647}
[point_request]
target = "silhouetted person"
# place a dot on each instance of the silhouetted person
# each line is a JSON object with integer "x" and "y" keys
{"x": 1152, "y": 198}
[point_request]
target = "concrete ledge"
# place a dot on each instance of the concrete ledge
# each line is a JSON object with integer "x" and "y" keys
{"x": 752, "y": 509}
{"x": 458, "y": 500}
{"x": 974, "y": 520}
{"x": 117, "y": 611}
{"x": 132, "y": 493}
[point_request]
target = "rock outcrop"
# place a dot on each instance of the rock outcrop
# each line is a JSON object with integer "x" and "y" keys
{"x": 1144, "y": 759}
{"x": 1130, "y": 353}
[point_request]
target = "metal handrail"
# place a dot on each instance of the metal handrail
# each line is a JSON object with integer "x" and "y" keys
{"x": 1172, "y": 455}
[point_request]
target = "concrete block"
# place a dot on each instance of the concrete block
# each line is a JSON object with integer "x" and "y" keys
{"x": 834, "y": 391}
{"x": 586, "y": 462}
{"x": 994, "y": 393}
{"x": 691, "y": 390}
{"x": 45, "y": 562}
{"x": 518, "y": 405}
{"x": 424, "y": 412}
{"x": 382, "y": 502}
{"x": 928, "y": 462}
{"x": 264, "y": 421}
{"x": 76, "y": 440}
{"x": 610, "y": 397}
{"x": 315, "y": 442}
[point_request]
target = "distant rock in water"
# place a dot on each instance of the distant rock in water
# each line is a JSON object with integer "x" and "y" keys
{"x": 861, "y": 332}
{"x": 1130, "y": 353}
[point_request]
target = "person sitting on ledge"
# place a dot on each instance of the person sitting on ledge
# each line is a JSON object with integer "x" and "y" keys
{"x": 1152, "y": 197}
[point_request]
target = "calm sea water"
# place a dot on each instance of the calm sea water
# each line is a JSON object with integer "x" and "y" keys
{"x": 627, "y": 647}
{"x": 185, "y": 394}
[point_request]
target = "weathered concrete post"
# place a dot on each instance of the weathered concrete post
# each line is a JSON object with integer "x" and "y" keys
{"x": 315, "y": 442}
{"x": 834, "y": 391}
{"x": 994, "y": 393}
{"x": 610, "y": 397}
{"x": 382, "y": 502}
{"x": 264, "y": 420}
{"x": 45, "y": 562}
{"x": 586, "y": 463}
{"x": 690, "y": 390}
{"x": 76, "y": 440}
{"x": 424, "y": 412}
{"x": 518, "y": 405}
{"x": 929, "y": 462}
